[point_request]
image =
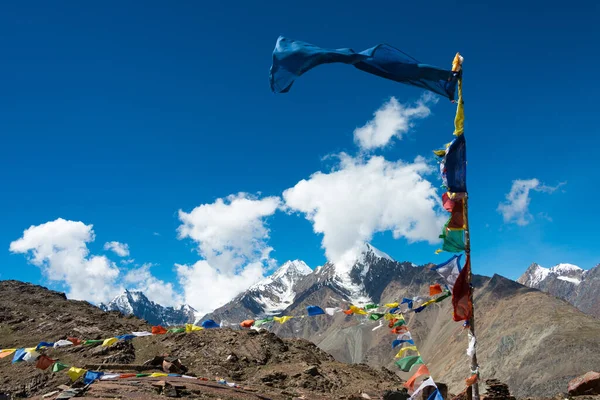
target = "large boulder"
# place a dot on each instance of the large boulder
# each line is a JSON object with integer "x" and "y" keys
{"x": 586, "y": 384}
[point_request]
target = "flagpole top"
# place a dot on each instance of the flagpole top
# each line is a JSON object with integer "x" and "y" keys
{"x": 457, "y": 62}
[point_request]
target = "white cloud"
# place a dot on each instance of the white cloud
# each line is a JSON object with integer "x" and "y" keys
{"x": 159, "y": 291}
{"x": 127, "y": 261}
{"x": 516, "y": 207}
{"x": 232, "y": 237}
{"x": 207, "y": 288}
{"x": 365, "y": 196}
{"x": 59, "y": 248}
{"x": 391, "y": 120}
{"x": 120, "y": 249}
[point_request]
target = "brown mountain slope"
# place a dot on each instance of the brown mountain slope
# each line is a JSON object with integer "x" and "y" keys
{"x": 261, "y": 362}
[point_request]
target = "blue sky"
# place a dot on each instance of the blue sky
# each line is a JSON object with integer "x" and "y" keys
{"x": 119, "y": 116}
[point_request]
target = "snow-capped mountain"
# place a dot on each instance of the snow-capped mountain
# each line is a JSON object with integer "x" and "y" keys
{"x": 358, "y": 280}
{"x": 569, "y": 282}
{"x": 276, "y": 292}
{"x": 136, "y": 303}
{"x": 269, "y": 296}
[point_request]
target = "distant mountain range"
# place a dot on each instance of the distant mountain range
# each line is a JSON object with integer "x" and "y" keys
{"x": 136, "y": 303}
{"x": 521, "y": 331}
{"x": 568, "y": 282}
{"x": 511, "y": 320}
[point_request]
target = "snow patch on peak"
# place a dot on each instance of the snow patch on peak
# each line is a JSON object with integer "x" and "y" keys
{"x": 565, "y": 268}
{"x": 378, "y": 253}
{"x": 538, "y": 274}
{"x": 569, "y": 279}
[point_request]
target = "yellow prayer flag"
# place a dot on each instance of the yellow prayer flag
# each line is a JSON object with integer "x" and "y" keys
{"x": 428, "y": 302}
{"x": 29, "y": 349}
{"x": 108, "y": 342}
{"x": 282, "y": 320}
{"x": 157, "y": 374}
{"x": 459, "y": 120}
{"x": 389, "y": 317}
{"x": 358, "y": 310}
{"x": 392, "y": 305}
{"x": 405, "y": 349}
{"x": 192, "y": 328}
{"x": 74, "y": 373}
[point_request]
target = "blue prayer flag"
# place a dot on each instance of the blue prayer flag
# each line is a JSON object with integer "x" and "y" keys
{"x": 19, "y": 354}
{"x": 398, "y": 342}
{"x": 435, "y": 395}
{"x": 42, "y": 344}
{"x": 125, "y": 337}
{"x": 292, "y": 58}
{"x": 209, "y": 323}
{"x": 408, "y": 302}
{"x": 91, "y": 376}
{"x": 314, "y": 310}
{"x": 454, "y": 166}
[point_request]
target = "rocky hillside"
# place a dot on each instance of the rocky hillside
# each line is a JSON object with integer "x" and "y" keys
{"x": 522, "y": 332}
{"x": 569, "y": 282}
{"x": 136, "y": 303}
{"x": 262, "y": 364}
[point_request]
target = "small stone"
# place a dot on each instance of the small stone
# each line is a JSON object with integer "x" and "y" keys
{"x": 312, "y": 370}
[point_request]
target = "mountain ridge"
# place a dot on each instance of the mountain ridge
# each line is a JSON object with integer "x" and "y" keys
{"x": 133, "y": 302}
{"x": 569, "y": 282}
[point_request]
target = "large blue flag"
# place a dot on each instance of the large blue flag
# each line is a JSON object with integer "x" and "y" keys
{"x": 292, "y": 58}
{"x": 454, "y": 166}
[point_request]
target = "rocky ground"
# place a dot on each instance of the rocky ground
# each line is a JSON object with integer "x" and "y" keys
{"x": 262, "y": 364}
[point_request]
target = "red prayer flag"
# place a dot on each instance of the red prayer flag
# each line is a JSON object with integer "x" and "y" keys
{"x": 435, "y": 289}
{"x": 410, "y": 384}
{"x": 44, "y": 362}
{"x": 457, "y": 218}
{"x": 447, "y": 202}
{"x": 158, "y": 330}
{"x": 123, "y": 376}
{"x": 247, "y": 323}
{"x": 461, "y": 299}
{"x": 74, "y": 340}
{"x": 348, "y": 312}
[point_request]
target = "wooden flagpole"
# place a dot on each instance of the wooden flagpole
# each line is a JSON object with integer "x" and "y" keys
{"x": 474, "y": 365}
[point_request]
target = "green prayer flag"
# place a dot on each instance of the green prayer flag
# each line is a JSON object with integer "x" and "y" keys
{"x": 400, "y": 322}
{"x": 176, "y": 330}
{"x": 406, "y": 363}
{"x": 444, "y": 296}
{"x": 260, "y": 322}
{"x": 58, "y": 367}
{"x": 454, "y": 241}
{"x": 371, "y": 306}
{"x": 141, "y": 375}
{"x": 376, "y": 316}
{"x": 93, "y": 341}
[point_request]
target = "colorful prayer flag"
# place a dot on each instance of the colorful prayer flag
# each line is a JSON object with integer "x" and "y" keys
{"x": 19, "y": 354}
{"x": 453, "y": 240}
{"x": 435, "y": 289}
{"x": 375, "y": 316}
{"x": 43, "y": 362}
{"x": 292, "y": 58}
{"x": 405, "y": 349}
{"x": 91, "y": 376}
{"x": 449, "y": 270}
{"x": 461, "y": 299}
{"x": 158, "y": 330}
{"x": 247, "y": 323}
{"x": 6, "y": 352}
{"x": 282, "y": 320}
{"x": 410, "y": 384}
{"x": 392, "y": 305}
{"x": 74, "y": 373}
{"x": 314, "y": 310}
{"x": 109, "y": 342}
{"x": 58, "y": 366}
{"x": 210, "y": 324}
{"x": 406, "y": 363}
{"x": 371, "y": 306}
{"x": 427, "y": 382}
{"x": 457, "y": 218}
{"x": 454, "y": 166}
